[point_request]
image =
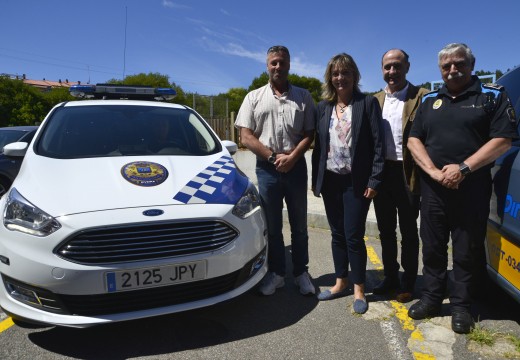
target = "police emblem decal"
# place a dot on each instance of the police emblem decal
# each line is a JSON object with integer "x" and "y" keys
{"x": 144, "y": 173}
{"x": 437, "y": 104}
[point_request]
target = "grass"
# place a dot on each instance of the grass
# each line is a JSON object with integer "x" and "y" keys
{"x": 482, "y": 336}
{"x": 515, "y": 341}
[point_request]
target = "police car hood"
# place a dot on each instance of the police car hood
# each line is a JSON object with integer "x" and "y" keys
{"x": 70, "y": 186}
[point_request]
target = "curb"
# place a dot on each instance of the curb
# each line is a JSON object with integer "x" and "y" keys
{"x": 316, "y": 220}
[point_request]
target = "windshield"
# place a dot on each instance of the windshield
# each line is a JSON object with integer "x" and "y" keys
{"x": 124, "y": 130}
{"x": 9, "y": 136}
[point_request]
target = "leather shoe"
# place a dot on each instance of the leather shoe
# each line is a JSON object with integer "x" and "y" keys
{"x": 404, "y": 296}
{"x": 327, "y": 295}
{"x": 462, "y": 321}
{"x": 421, "y": 310}
{"x": 385, "y": 286}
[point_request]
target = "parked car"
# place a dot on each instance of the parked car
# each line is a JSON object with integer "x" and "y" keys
{"x": 503, "y": 234}
{"x": 10, "y": 166}
{"x": 126, "y": 209}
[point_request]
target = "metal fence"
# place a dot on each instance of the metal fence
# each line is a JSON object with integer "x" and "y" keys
{"x": 215, "y": 110}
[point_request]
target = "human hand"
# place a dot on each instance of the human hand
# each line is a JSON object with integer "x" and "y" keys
{"x": 369, "y": 193}
{"x": 437, "y": 175}
{"x": 284, "y": 163}
{"x": 452, "y": 176}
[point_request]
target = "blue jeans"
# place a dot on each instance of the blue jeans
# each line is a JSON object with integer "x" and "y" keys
{"x": 347, "y": 214}
{"x": 274, "y": 187}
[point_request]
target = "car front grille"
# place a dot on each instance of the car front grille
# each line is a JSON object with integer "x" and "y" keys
{"x": 138, "y": 242}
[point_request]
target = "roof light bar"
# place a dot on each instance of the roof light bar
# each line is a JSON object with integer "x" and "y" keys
{"x": 110, "y": 91}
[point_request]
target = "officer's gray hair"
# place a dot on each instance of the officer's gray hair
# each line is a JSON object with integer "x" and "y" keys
{"x": 455, "y": 48}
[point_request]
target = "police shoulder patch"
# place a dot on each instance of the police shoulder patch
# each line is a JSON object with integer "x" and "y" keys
{"x": 511, "y": 114}
{"x": 430, "y": 94}
{"x": 493, "y": 86}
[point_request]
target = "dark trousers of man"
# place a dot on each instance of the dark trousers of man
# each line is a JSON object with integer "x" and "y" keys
{"x": 462, "y": 213}
{"x": 347, "y": 215}
{"x": 394, "y": 198}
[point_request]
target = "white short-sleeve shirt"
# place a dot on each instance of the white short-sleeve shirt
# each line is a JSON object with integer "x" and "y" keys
{"x": 279, "y": 122}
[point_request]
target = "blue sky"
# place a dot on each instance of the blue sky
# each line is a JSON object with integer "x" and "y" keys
{"x": 210, "y": 46}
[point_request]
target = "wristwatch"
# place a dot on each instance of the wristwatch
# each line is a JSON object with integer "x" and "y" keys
{"x": 464, "y": 169}
{"x": 272, "y": 158}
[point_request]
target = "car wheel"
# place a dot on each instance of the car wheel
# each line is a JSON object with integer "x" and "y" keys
{"x": 4, "y": 186}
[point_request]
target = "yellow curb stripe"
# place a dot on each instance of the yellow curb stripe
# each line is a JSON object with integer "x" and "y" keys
{"x": 417, "y": 335}
{"x": 421, "y": 356}
{"x": 6, "y": 324}
{"x": 401, "y": 312}
{"x": 374, "y": 259}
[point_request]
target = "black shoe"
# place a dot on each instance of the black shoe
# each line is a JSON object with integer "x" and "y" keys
{"x": 421, "y": 310}
{"x": 386, "y": 286}
{"x": 461, "y": 321}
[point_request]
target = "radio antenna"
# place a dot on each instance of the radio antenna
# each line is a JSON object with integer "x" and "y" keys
{"x": 124, "y": 49}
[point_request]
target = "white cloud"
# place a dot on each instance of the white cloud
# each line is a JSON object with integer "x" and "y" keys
{"x": 225, "y": 12}
{"x": 302, "y": 68}
{"x": 172, "y": 5}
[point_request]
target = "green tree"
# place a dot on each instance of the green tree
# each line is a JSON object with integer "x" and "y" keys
{"x": 153, "y": 80}
{"x": 20, "y": 104}
{"x": 56, "y": 96}
{"x": 235, "y": 96}
{"x": 426, "y": 85}
{"x": 313, "y": 85}
{"x": 150, "y": 79}
{"x": 497, "y": 73}
{"x": 259, "y": 81}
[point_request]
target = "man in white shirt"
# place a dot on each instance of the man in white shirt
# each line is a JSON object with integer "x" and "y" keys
{"x": 276, "y": 123}
{"x": 398, "y": 197}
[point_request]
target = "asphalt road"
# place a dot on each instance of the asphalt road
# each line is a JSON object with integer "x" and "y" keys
{"x": 285, "y": 325}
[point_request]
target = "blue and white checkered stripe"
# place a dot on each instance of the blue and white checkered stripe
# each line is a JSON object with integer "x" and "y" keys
{"x": 217, "y": 184}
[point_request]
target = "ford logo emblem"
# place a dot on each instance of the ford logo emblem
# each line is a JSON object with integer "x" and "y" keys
{"x": 153, "y": 212}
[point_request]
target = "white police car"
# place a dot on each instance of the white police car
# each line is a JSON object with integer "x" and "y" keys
{"x": 503, "y": 230}
{"x": 126, "y": 209}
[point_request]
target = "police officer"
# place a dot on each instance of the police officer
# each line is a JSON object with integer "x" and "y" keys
{"x": 458, "y": 132}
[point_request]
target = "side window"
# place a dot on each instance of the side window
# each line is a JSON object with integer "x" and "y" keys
{"x": 205, "y": 141}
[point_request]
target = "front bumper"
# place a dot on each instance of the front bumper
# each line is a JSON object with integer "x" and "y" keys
{"x": 74, "y": 294}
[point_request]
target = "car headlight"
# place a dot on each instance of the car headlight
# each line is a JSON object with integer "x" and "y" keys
{"x": 21, "y": 215}
{"x": 248, "y": 202}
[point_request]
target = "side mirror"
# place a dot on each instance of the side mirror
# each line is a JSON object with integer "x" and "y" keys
{"x": 230, "y": 146}
{"x": 16, "y": 149}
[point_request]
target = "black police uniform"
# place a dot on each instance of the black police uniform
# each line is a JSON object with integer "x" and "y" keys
{"x": 453, "y": 129}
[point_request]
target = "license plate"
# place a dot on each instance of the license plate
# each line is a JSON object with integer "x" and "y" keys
{"x": 155, "y": 276}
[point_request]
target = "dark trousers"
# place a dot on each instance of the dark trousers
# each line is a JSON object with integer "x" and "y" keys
{"x": 346, "y": 214}
{"x": 394, "y": 198}
{"x": 462, "y": 213}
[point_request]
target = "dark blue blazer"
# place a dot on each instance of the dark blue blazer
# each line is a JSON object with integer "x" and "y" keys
{"x": 368, "y": 147}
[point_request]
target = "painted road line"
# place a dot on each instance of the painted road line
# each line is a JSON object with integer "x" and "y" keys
{"x": 407, "y": 324}
{"x": 401, "y": 313}
{"x": 374, "y": 259}
{"x": 395, "y": 342}
{"x": 6, "y": 324}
